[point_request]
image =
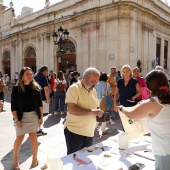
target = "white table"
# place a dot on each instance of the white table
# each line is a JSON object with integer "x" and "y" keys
{"x": 122, "y": 159}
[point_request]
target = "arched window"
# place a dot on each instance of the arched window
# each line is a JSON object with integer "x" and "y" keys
{"x": 68, "y": 45}
{"x": 6, "y": 56}
{"x": 31, "y": 53}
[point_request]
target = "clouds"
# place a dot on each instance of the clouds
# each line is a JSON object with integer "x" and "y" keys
{"x": 35, "y": 4}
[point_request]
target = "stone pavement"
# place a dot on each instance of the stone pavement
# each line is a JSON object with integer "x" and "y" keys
{"x": 54, "y": 142}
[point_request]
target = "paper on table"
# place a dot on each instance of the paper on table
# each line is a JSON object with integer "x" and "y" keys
{"x": 145, "y": 154}
{"x": 137, "y": 128}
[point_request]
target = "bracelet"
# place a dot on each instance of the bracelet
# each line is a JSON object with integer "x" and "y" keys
{"x": 15, "y": 121}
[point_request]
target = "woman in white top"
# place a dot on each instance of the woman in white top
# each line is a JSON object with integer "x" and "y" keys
{"x": 59, "y": 92}
{"x": 157, "y": 113}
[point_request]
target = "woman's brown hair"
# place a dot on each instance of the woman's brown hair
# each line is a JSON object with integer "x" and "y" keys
{"x": 157, "y": 83}
{"x": 54, "y": 75}
{"x": 33, "y": 83}
{"x": 60, "y": 75}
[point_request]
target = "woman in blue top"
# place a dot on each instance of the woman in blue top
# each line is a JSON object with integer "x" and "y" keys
{"x": 127, "y": 89}
{"x": 100, "y": 88}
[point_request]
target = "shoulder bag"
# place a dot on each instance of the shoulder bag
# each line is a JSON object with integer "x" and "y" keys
{"x": 105, "y": 117}
{"x": 5, "y": 89}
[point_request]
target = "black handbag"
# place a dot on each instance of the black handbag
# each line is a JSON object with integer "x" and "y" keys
{"x": 105, "y": 117}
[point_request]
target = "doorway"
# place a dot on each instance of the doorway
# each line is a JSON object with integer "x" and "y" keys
{"x": 6, "y": 63}
{"x": 68, "y": 61}
{"x": 30, "y": 59}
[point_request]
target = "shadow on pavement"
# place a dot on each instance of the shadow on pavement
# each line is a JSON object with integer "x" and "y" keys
{"x": 24, "y": 154}
{"x": 52, "y": 120}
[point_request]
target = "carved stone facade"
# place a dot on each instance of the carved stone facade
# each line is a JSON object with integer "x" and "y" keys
{"x": 102, "y": 33}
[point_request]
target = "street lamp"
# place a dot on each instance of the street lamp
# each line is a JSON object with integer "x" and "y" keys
{"x": 60, "y": 38}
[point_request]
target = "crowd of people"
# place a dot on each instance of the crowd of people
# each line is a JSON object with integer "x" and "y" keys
{"x": 82, "y": 96}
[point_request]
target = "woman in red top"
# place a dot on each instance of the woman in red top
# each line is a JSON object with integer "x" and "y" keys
{"x": 52, "y": 82}
{"x": 144, "y": 90}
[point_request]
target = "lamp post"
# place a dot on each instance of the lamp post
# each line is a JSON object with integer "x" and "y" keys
{"x": 60, "y": 37}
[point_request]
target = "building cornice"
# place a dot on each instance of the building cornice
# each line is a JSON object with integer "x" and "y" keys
{"x": 124, "y": 8}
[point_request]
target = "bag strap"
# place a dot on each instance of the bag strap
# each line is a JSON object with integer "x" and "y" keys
{"x": 106, "y": 92}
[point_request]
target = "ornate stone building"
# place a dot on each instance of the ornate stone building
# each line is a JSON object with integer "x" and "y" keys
{"x": 103, "y": 33}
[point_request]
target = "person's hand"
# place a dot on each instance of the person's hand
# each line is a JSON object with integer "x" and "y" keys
{"x": 98, "y": 112}
{"x": 47, "y": 101}
{"x": 133, "y": 98}
{"x": 19, "y": 124}
{"x": 40, "y": 122}
{"x": 116, "y": 108}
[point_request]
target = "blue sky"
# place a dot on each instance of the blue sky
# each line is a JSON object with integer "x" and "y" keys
{"x": 35, "y": 4}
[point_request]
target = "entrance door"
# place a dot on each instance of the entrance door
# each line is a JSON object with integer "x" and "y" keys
{"x": 30, "y": 58}
{"x": 68, "y": 61}
{"x": 7, "y": 69}
{"x": 31, "y": 62}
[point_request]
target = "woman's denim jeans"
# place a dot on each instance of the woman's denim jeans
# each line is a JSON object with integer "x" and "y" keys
{"x": 59, "y": 98}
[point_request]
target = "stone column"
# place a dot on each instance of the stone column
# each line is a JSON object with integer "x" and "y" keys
{"x": 79, "y": 58}
{"x": 153, "y": 48}
{"x": 13, "y": 59}
{"x": 168, "y": 60}
{"x": 52, "y": 54}
{"x": 46, "y": 50}
{"x": 40, "y": 51}
{"x": 133, "y": 47}
{"x": 145, "y": 51}
{"x": 1, "y": 56}
{"x": 85, "y": 54}
{"x": 162, "y": 52}
{"x": 124, "y": 37}
{"x": 147, "y": 48}
{"x": 19, "y": 53}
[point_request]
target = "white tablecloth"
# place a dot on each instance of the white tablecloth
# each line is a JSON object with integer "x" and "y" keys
{"x": 122, "y": 159}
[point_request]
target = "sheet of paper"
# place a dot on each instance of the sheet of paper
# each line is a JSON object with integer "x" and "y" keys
{"x": 137, "y": 128}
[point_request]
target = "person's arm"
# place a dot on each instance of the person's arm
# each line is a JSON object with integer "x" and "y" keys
{"x": 146, "y": 108}
{"x": 65, "y": 85}
{"x": 2, "y": 83}
{"x": 14, "y": 106}
{"x": 46, "y": 90}
{"x": 79, "y": 111}
{"x": 41, "y": 118}
{"x": 115, "y": 99}
{"x": 138, "y": 92}
{"x": 109, "y": 81}
{"x": 40, "y": 105}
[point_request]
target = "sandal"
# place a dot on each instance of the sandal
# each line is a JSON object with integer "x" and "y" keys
{"x": 35, "y": 165}
{"x": 16, "y": 168}
{"x": 104, "y": 133}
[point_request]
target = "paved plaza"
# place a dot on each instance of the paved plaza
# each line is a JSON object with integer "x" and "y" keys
{"x": 53, "y": 142}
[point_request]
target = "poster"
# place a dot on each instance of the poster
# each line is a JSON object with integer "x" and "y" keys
{"x": 137, "y": 129}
